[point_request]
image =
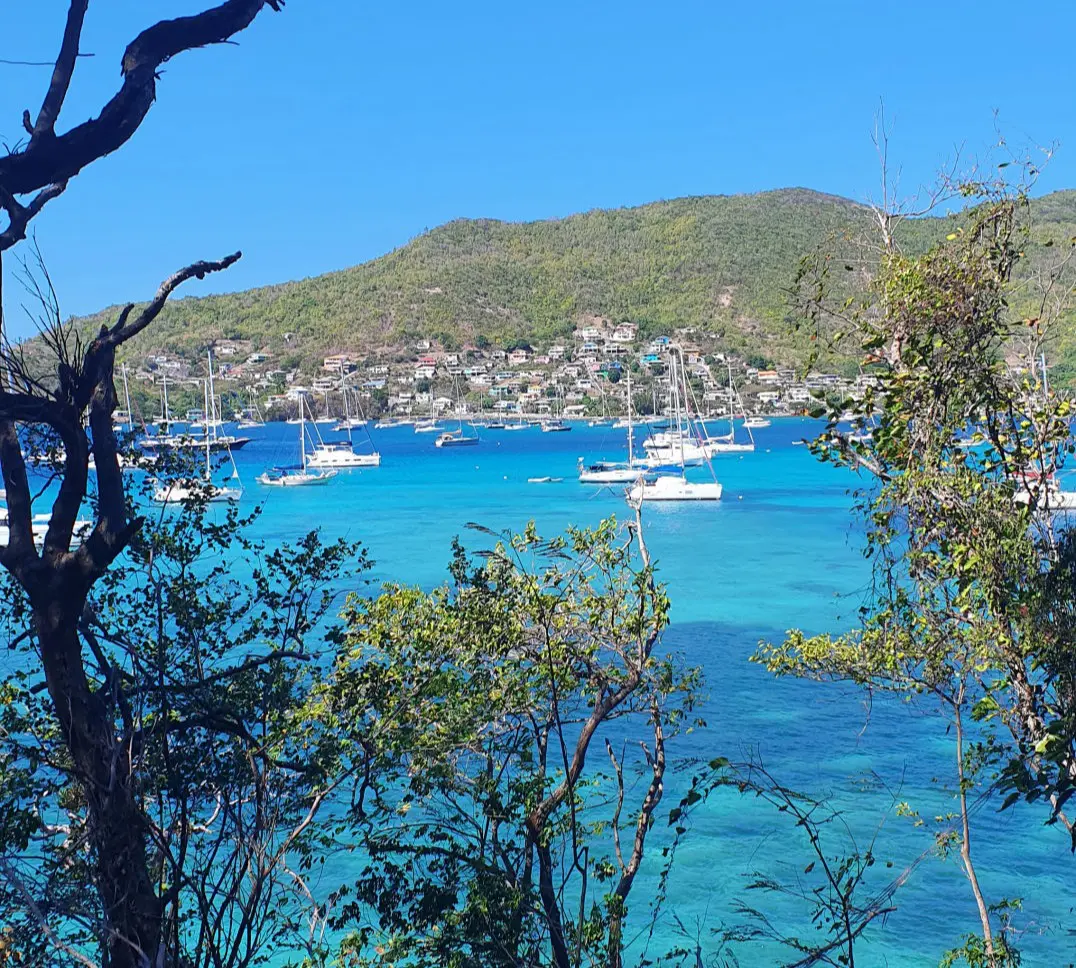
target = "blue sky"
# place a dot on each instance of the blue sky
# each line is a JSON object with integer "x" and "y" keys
{"x": 340, "y": 129}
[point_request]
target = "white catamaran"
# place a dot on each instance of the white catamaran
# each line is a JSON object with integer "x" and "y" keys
{"x": 614, "y": 472}
{"x": 340, "y": 454}
{"x": 673, "y": 485}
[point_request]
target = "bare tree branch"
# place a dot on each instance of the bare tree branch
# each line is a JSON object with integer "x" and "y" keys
{"x": 48, "y": 160}
{"x": 45, "y": 125}
{"x": 19, "y": 216}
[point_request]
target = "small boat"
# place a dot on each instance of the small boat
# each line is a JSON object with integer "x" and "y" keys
{"x": 496, "y": 425}
{"x": 39, "y": 527}
{"x": 455, "y": 438}
{"x": 609, "y": 472}
{"x": 615, "y": 472}
{"x": 519, "y": 425}
{"x": 1044, "y": 493}
{"x": 544, "y": 480}
{"x": 177, "y": 492}
{"x": 555, "y": 427}
{"x": 294, "y": 475}
{"x": 250, "y": 418}
{"x": 756, "y": 423}
{"x": 727, "y": 443}
{"x": 429, "y": 426}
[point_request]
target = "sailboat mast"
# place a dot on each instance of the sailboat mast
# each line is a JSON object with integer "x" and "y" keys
{"x": 732, "y": 409}
{"x": 630, "y": 442}
{"x": 211, "y": 418}
{"x": 679, "y": 410}
{"x": 127, "y": 398}
{"x": 347, "y": 412}
{"x": 208, "y": 463}
{"x": 302, "y": 432}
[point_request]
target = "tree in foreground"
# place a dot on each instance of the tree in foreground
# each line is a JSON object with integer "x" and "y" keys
{"x": 972, "y": 603}
{"x": 512, "y": 730}
{"x": 89, "y": 715}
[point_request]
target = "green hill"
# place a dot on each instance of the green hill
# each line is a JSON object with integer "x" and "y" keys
{"x": 719, "y": 263}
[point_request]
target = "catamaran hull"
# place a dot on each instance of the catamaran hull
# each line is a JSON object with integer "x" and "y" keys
{"x": 675, "y": 489}
{"x": 343, "y": 461}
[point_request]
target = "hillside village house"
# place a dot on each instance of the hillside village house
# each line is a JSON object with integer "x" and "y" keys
{"x": 518, "y": 357}
{"x": 340, "y": 363}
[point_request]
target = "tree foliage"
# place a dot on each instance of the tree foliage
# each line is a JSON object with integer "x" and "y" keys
{"x": 512, "y": 727}
{"x": 972, "y": 596}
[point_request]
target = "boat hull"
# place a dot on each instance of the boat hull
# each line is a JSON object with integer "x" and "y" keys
{"x": 296, "y": 480}
{"x": 456, "y": 441}
{"x": 675, "y": 489}
{"x": 179, "y": 492}
{"x": 342, "y": 460}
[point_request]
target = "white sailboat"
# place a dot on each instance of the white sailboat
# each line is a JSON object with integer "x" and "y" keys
{"x": 39, "y": 527}
{"x": 613, "y": 472}
{"x": 176, "y": 492}
{"x": 250, "y": 417}
{"x": 674, "y": 486}
{"x": 123, "y": 418}
{"x": 296, "y": 475}
{"x": 457, "y": 437}
{"x": 727, "y": 443}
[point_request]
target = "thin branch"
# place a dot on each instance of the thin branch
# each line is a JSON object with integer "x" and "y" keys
{"x": 45, "y": 125}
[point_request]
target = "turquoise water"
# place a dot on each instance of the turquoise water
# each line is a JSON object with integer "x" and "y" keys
{"x": 780, "y": 551}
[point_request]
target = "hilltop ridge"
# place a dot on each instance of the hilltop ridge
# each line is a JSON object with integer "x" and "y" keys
{"x": 718, "y": 263}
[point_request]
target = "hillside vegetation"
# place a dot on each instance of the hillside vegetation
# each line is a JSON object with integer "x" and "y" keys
{"x": 718, "y": 263}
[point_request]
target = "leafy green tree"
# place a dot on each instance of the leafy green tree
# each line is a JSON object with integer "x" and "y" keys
{"x": 972, "y": 599}
{"x": 200, "y": 650}
{"x": 493, "y": 837}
